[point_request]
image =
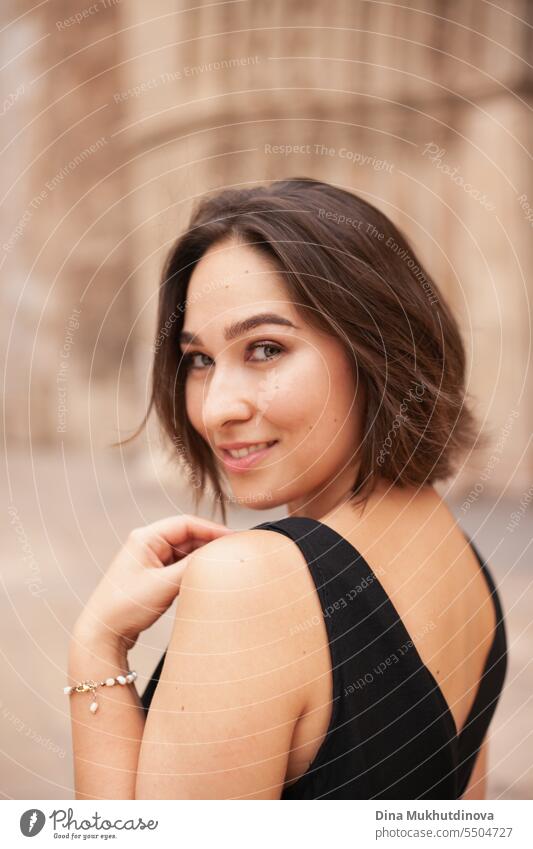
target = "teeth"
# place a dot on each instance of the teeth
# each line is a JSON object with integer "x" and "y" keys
{"x": 243, "y": 452}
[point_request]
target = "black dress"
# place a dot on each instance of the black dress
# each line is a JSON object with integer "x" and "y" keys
{"x": 391, "y": 733}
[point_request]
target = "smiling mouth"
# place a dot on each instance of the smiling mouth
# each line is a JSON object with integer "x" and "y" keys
{"x": 245, "y": 460}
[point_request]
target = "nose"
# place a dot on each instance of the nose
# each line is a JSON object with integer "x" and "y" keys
{"x": 229, "y": 397}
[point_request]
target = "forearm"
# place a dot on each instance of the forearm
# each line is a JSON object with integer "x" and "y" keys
{"x": 106, "y": 744}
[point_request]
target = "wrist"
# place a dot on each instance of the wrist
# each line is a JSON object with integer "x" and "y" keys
{"x": 86, "y": 638}
{"x": 94, "y": 666}
{"x": 95, "y": 660}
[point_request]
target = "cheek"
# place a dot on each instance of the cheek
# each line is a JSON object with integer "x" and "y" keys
{"x": 293, "y": 393}
{"x": 316, "y": 397}
{"x": 193, "y": 405}
{"x": 303, "y": 395}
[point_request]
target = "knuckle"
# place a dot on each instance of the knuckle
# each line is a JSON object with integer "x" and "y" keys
{"x": 136, "y": 535}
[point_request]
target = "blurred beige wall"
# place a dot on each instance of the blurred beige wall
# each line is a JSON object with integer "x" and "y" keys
{"x": 116, "y": 119}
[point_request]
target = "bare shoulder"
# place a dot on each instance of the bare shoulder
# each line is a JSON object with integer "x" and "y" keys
{"x": 232, "y": 687}
{"x": 261, "y": 579}
{"x": 244, "y": 559}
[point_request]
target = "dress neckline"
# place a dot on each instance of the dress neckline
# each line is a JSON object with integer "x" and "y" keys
{"x": 441, "y": 698}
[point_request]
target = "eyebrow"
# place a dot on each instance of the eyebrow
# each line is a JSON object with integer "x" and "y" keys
{"x": 238, "y": 328}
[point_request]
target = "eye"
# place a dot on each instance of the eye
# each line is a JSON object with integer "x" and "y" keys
{"x": 267, "y": 346}
{"x": 189, "y": 363}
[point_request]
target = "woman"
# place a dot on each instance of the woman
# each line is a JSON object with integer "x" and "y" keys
{"x": 356, "y": 647}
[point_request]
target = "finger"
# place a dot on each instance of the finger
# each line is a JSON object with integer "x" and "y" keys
{"x": 188, "y": 546}
{"x": 168, "y": 536}
{"x": 173, "y": 573}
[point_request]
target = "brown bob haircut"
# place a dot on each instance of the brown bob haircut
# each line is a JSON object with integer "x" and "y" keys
{"x": 357, "y": 278}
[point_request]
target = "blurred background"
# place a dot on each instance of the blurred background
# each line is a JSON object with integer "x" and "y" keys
{"x": 115, "y": 117}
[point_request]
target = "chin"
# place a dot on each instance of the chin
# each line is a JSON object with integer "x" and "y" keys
{"x": 260, "y": 499}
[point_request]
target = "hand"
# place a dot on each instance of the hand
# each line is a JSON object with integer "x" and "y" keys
{"x": 143, "y": 579}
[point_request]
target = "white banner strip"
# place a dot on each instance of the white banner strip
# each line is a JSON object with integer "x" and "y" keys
{"x": 247, "y": 823}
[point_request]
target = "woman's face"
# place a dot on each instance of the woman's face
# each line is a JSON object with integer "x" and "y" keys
{"x": 277, "y": 381}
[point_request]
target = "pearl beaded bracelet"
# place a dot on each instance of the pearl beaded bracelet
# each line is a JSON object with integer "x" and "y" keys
{"x": 90, "y": 686}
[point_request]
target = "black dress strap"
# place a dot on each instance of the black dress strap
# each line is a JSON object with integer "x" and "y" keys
{"x": 473, "y": 732}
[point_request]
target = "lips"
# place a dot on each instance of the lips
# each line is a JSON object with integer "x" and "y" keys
{"x": 240, "y": 463}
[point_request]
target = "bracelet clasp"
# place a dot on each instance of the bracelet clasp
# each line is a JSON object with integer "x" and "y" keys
{"x": 85, "y": 686}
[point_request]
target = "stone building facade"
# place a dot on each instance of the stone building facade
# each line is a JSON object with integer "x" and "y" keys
{"x": 126, "y": 112}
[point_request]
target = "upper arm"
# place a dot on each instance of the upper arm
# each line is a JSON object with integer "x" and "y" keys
{"x": 222, "y": 717}
{"x": 477, "y": 785}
